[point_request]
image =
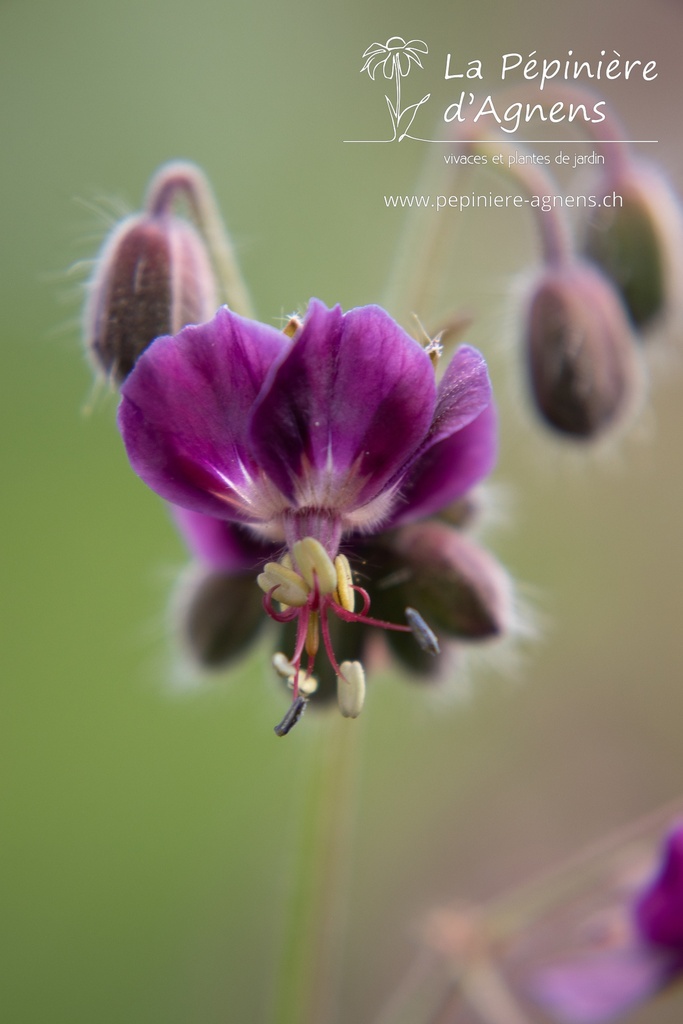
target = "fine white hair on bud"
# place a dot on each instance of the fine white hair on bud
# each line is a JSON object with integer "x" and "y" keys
{"x": 351, "y": 688}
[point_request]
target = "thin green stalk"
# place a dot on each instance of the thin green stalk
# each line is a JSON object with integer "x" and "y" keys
{"x": 415, "y": 275}
{"x": 189, "y": 181}
{"x": 306, "y": 988}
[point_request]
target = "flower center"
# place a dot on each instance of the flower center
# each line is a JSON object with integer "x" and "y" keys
{"x": 308, "y": 585}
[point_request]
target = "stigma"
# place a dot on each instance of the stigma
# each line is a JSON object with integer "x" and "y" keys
{"x": 307, "y": 586}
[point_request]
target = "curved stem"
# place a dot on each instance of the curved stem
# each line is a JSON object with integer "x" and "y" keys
{"x": 186, "y": 179}
{"x": 414, "y": 277}
{"x": 416, "y": 273}
{"x": 556, "y": 239}
{"x": 308, "y": 978}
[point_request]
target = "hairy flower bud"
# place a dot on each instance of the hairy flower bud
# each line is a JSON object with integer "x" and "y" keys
{"x": 153, "y": 277}
{"x": 582, "y": 361}
{"x": 637, "y": 240}
{"x": 458, "y": 587}
{"x": 219, "y": 615}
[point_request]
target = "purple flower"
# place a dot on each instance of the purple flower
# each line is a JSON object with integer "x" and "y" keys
{"x": 305, "y": 445}
{"x": 461, "y": 588}
{"x": 646, "y": 957}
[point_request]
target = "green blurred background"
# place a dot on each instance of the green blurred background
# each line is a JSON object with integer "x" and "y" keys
{"x": 148, "y": 836}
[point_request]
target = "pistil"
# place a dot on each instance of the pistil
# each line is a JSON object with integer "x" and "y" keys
{"x": 307, "y": 585}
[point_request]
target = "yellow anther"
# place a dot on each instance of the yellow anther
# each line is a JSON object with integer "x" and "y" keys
{"x": 434, "y": 350}
{"x": 290, "y": 587}
{"x": 351, "y": 688}
{"x": 432, "y": 346}
{"x": 312, "y": 635}
{"x": 314, "y": 563}
{"x": 287, "y": 562}
{"x": 283, "y": 665}
{"x": 345, "y": 594}
{"x": 307, "y": 684}
{"x": 292, "y": 326}
{"x": 284, "y": 668}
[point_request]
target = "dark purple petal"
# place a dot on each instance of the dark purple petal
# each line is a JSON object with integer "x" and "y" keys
{"x": 345, "y": 409}
{"x": 659, "y": 909}
{"x": 185, "y": 409}
{"x": 461, "y": 446}
{"x": 599, "y": 988}
{"x": 449, "y": 468}
{"x": 464, "y": 392}
{"x": 220, "y": 544}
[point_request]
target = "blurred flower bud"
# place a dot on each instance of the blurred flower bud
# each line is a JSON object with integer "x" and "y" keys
{"x": 636, "y": 238}
{"x": 582, "y": 360}
{"x": 459, "y": 588}
{"x": 219, "y": 615}
{"x": 153, "y": 278}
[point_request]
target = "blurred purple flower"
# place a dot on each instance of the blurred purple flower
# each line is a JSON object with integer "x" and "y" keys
{"x": 602, "y": 986}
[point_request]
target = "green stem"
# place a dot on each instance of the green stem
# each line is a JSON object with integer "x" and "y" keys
{"x": 556, "y": 239}
{"x": 308, "y": 977}
{"x": 415, "y": 277}
{"x": 186, "y": 179}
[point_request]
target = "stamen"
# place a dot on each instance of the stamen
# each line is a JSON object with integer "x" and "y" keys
{"x": 432, "y": 346}
{"x": 286, "y": 614}
{"x": 303, "y": 683}
{"x": 292, "y": 326}
{"x": 290, "y": 588}
{"x": 344, "y": 593}
{"x": 434, "y": 350}
{"x": 292, "y": 716}
{"x": 287, "y": 562}
{"x": 319, "y": 587}
{"x": 312, "y": 635}
{"x": 314, "y": 563}
{"x": 425, "y": 636}
{"x": 351, "y": 688}
{"x": 300, "y": 680}
{"x": 283, "y": 665}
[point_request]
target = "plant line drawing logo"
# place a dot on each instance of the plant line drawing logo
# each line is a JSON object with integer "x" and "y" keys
{"x": 396, "y": 58}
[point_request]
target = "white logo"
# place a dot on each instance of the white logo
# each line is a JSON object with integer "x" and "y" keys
{"x": 396, "y": 57}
